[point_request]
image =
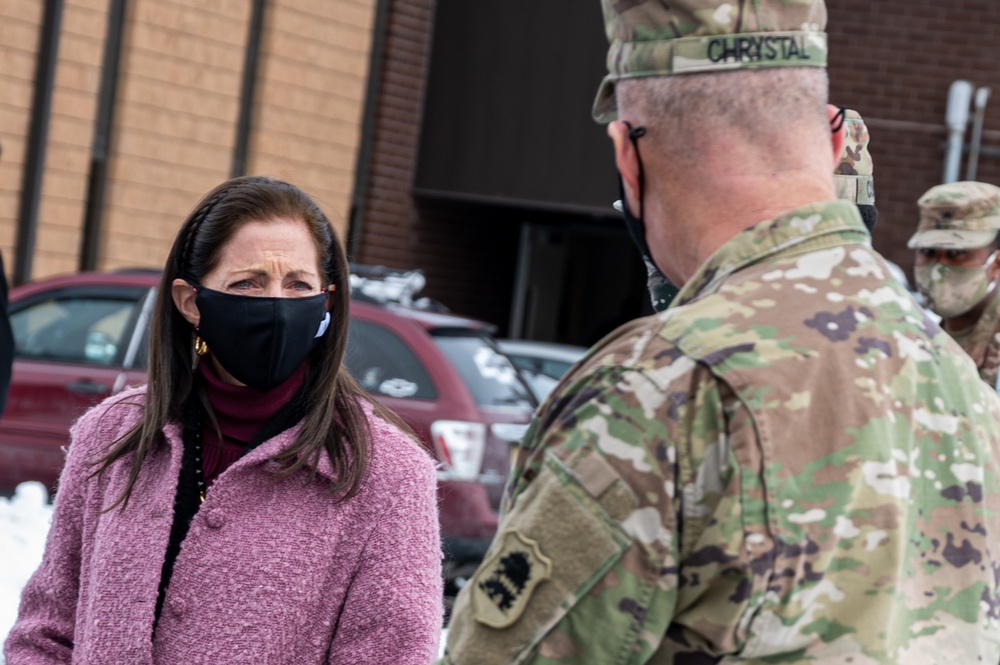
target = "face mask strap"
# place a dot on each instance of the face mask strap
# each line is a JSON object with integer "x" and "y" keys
{"x": 634, "y": 223}
{"x": 324, "y": 324}
{"x": 837, "y": 121}
{"x": 992, "y": 257}
{"x": 986, "y": 268}
{"x": 634, "y": 134}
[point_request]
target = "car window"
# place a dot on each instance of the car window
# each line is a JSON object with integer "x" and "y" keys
{"x": 489, "y": 374}
{"x": 79, "y": 330}
{"x": 137, "y": 357}
{"x": 553, "y": 369}
{"x": 383, "y": 364}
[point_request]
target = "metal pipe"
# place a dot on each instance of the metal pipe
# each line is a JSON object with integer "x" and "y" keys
{"x": 100, "y": 147}
{"x": 38, "y": 138}
{"x": 956, "y": 117}
{"x": 363, "y": 164}
{"x": 982, "y": 96}
{"x": 249, "y": 87}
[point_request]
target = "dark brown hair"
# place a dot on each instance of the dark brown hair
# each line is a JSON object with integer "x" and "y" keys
{"x": 335, "y": 421}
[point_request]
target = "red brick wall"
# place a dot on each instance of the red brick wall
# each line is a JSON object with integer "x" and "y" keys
{"x": 467, "y": 253}
{"x": 893, "y": 61}
{"x": 388, "y": 214}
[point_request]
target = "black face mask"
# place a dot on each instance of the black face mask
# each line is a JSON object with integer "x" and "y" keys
{"x": 869, "y": 215}
{"x": 661, "y": 290}
{"x": 260, "y": 341}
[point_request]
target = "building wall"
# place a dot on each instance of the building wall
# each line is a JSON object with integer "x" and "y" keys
{"x": 177, "y": 104}
{"x": 176, "y": 113}
{"x": 74, "y": 105}
{"x": 20, "y": 23}
{"x": 314, "y": 72}
{"x": 388, "y": 213}
{"x": 893, "y": 61}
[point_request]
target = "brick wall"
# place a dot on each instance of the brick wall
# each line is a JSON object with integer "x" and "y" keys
{"x": 388, "y": 214}
{"x": 893, "y": 60}
{"x": 177, "y": 102}
{"x": 74, "y": 106}
{"x": 20, "y": 22}
{"x": 176, "y": 112}
{"x": 314, "y": 69}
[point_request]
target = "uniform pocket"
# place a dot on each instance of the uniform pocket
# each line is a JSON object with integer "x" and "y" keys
{"x": 561, "y": 537}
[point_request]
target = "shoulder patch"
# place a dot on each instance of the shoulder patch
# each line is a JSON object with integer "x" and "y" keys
{"x": 506, "y": 579}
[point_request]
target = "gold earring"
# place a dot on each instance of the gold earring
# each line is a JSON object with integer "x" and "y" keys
{"x": 200, "y": 347}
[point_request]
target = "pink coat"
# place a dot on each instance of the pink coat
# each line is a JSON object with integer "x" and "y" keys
{"x": 272, "y": 570}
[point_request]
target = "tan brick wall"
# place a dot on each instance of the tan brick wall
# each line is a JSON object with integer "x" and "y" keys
{"x": 313, "y": 72}
{"x": 71, "y": 130}
{"x": 20, "y": 21}
{"x": 176, "y": 111}
{"x": 178, "y": 99}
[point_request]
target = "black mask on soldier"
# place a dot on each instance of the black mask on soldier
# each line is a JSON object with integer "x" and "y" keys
{"x": 260, "y": 341}
{"x": 869, "y": 215}
{"x": 661, "y": 290}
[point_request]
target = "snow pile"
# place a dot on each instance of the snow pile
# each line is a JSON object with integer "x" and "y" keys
{"x": 24, "y": 523}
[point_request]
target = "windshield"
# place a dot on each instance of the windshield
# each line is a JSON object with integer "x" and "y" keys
{"x": 489, "y": 374}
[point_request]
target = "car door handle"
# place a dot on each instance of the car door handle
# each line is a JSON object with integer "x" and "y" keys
{"x": 87, "y": 387}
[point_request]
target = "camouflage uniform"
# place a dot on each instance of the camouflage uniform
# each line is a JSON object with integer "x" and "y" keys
{"x": 853, "y": 175}
{"x": 962, "y": 215}
{"x": 790, "y": 464}
{"x": 705, "y": 483}
{"x": 982, "y": 342}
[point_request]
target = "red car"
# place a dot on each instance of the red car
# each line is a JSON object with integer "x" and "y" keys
{"x": 83, "y": 337}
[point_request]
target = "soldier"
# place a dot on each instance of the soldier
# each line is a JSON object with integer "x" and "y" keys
{"x": 853, "y": 175}
{"x": 792, "y": 463}
{"x": 958, "y": 264}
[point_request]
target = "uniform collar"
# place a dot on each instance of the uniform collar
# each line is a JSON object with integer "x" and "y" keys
{"x": 815, "y": 226}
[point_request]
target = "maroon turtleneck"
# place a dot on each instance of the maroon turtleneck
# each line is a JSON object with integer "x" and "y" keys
{"x": 241, "y": 412}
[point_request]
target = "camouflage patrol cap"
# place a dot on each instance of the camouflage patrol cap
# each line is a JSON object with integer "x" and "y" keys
{"x": 853, "y": 175}
{"x": 958, "y": 215}
{"x": 671, "y": 37}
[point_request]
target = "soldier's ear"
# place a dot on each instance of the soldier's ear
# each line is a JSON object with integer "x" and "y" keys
{"x": 838, "y": 134}
{"x": 626, "y": 160}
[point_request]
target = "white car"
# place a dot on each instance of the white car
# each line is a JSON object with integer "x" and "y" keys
{"x": 541, "y": 363}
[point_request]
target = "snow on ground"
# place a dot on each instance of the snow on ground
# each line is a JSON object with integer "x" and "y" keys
{"x": 24, "y": 523}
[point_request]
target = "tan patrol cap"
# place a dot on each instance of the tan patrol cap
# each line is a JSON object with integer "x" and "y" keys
{"x": 958, "y": 215}
{"x": 671, "y": 37}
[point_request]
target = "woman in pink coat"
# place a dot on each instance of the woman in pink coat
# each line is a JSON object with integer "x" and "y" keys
{"x": 251, "y": 504}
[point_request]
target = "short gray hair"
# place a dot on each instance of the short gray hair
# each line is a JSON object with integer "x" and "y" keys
{"x": 687, "y": 110}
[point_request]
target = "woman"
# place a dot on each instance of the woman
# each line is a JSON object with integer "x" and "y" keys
{"x": 251, "y": 504}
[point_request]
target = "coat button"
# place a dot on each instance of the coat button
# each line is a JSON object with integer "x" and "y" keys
{"x": 177, "y": 607}
{"x": 215, "y": 518}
